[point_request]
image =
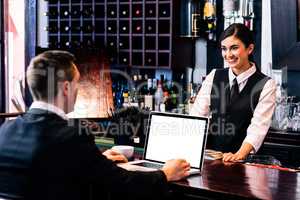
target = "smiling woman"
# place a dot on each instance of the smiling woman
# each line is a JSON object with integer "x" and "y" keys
{"x": 240, "y": 99}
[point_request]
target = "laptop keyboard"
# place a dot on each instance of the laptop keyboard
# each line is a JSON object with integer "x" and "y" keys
{"x": 150, "y": 165}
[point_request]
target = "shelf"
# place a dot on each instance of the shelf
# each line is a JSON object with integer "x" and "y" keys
{"x": 146, "y": 39}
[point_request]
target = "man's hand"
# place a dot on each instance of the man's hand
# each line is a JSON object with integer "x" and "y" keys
{"x": 176, "y": 169}
{"x": 114, "y": 156}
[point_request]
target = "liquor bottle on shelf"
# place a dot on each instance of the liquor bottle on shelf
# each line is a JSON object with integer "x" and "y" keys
{"x": 118, "y": 94}
{"x": 173, "y": 96}
{"x": 67, "y": 44}
{"x": 150, "y": 10}
{"x": 111, "y": 11}
{"x": 124, "y": 43}
{"x": 111, "y": 27}
{"x": 124, "y": 26}
{"x": 112, "y": 42}
{"x": 64, "y": 12}
{"x": 148, "y": 98}
{"x": 124, "y": 11}
{"x": 137, "y": 10}
{"x": 124, "y": 58}
{"x": 159, "y": 98}
{"x": 137, "y": 26}
{"x": 64, "y": 42}
{"x": 209, "y": 15}
{"x": 65, "y": 29}
{"x": 164, "y": 10}
{"x": 87, "y": 12}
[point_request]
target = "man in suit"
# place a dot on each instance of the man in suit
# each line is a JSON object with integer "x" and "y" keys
{"x": 43, "y": 157}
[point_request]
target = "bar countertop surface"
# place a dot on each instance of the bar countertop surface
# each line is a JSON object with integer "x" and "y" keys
{"x": 221, "y": 180}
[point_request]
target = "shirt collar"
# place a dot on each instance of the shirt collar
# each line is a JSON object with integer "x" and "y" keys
{"x": 49, "y": 107}
{"x": 243, "y": 76}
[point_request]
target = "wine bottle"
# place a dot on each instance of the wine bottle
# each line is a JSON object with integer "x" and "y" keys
{"x": 137, "y": 10}
{"x": 150, "y": 10}
{"x": 111, "y": 11}
{"x": 124, "y": 11}
{"x": 137, "y": 27}
{"x": 124, "y": 26}
{"x": 64, "y": 12}
{"x": 150, "y": 26}
{"x": 111, "y": 27}
{"x": 65, "y": 29}
{"x": 164, "y": 10}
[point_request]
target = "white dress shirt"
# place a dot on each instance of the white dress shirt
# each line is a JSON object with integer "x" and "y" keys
{"x": 262, "y": 115}
{"x": 49, "y": 107}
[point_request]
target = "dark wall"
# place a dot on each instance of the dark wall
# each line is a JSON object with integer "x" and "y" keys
{"x": 2, "y": 77}
{"x": 30, "y": 35}
{"x": 285, "y": 47}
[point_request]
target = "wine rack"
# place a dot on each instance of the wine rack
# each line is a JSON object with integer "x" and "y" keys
{"x": 139, "y": 31}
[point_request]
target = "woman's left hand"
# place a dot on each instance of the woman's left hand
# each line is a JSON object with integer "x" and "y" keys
{"x": 241, "y": 154}
{"x": 230, "y": 157}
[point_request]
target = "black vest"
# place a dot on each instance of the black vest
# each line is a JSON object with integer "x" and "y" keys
{"x": 229, "y": 123}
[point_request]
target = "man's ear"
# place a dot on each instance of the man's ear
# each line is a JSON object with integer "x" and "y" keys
{"x": 250, "y": 48}
{"x": 66, "y": 88}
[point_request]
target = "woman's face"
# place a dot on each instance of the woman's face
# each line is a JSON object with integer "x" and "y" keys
{"x": 235, "y": 53}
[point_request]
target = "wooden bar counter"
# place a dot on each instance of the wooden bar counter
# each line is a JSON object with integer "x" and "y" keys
{"x": 239, "y": 181}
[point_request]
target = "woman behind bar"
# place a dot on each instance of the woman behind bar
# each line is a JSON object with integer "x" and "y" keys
{"x": 239, "y": 99}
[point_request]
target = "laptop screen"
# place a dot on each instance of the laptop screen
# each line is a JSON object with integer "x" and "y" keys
{"x": 172, "y": 136}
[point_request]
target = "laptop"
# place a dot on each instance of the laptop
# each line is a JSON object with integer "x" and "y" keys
{"x": 172, "y": 136}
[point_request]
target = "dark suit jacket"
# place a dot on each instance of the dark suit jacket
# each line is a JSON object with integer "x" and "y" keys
{"x": 43, "y": 157}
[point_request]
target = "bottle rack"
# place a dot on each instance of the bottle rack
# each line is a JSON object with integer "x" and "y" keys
{"x": 140, "y": 31}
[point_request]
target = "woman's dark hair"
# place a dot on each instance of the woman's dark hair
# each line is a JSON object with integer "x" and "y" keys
{"x": 241, "y": 32}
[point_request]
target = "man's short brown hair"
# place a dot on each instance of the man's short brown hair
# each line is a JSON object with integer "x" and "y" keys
{"x": 46, "y": 70}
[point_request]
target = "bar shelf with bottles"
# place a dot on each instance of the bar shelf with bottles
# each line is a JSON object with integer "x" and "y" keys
{"x": 146, "y": 92}
{"x": 139, "y": 32}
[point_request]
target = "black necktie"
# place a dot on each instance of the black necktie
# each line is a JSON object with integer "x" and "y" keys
{"x": 234, "y": 92}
